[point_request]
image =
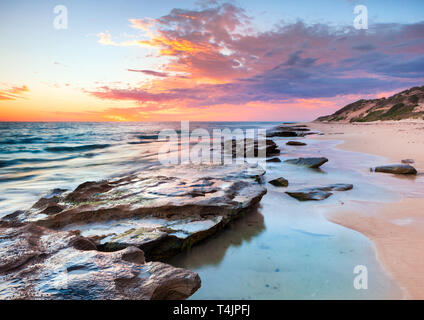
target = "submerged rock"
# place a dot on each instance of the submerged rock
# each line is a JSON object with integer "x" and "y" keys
{"x": 40, "y": 263}
{"x": 337, "y": 187}
{"x": 295, "y": 143}
{"x": 279, "y": 182}
{"x": 318, "y": 193}
{"x": 308, "y": 162}
{"x": 290, "y": 131}
{"x": 397, "y": 169}
{"x": 283, "y": 134}
{"x": 299, "y": 126}
{"x": 273, "y": 160}
{"x": 309, "y": 194}
{"x": 295, "y": 128}
{"x": 162, "y": 210}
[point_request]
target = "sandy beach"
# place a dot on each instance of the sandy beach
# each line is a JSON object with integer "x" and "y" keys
{"x": 396, "y": 229}
{"x": 395, "y": 140}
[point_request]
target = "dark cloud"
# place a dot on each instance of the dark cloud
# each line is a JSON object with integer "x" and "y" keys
{"x": 150, "y": 73}
{"x": 364, "y": 47}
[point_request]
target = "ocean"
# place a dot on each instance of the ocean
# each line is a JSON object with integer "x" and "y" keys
{"x": 38, "y": 157}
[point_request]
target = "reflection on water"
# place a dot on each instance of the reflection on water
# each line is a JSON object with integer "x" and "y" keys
{"x": 212, "y": 252}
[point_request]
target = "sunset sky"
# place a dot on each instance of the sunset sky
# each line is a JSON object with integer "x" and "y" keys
{"x": 203, "y": 60}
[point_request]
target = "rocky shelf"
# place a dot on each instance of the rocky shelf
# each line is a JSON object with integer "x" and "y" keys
{"x": 40, "y": 263}
{"x": 161, "y": 211}
{"x": 156, "y": 213}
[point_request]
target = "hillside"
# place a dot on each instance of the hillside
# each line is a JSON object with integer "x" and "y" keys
{"x": 408, "y": 104}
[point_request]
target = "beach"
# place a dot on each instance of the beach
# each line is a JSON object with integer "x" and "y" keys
{"x": 395, "y": 140}
{"x": 395, "y": 228}
{"x": 277, "y": 248}
{"x": 228, "y": 232}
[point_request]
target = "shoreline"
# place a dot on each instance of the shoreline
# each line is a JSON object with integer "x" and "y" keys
{"x": 395, "y": 140}
{"x": 395, "y": 228}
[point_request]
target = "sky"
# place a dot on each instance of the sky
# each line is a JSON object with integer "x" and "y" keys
{"x": 208, "y": 60}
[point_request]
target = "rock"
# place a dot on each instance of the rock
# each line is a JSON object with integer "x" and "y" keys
{"x": 318, "y": 193}
{"x": 294, "y": 128}
{"x": 283, "y": 134}
{"x": 279, "y": 182}
{"x": 309, "y": 194}
{"x": 337, "y": 187}
{"x": 308, "y": 162}
{"x": 248, "y": 148}
{"x": 162, "y": 210}
{"x": 39, "y": 263}
{"x": 271, "y": 148}
{"x": 397, "y": 169}
{"x": 273, "y": 160}
{"x": 295, "y": 143}
{"x": 290, "y": 131}
{"x": 408, "y": 161}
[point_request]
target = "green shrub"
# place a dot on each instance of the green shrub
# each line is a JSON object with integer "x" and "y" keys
{"x": 413, "y": 99}
{"x": 398, "y": 111}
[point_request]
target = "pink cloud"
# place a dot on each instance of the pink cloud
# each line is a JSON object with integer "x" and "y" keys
{"x": 224, "y": 61}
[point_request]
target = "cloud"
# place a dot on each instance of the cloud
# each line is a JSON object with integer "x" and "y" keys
{"x": 134, "y": 94}
{"x": 225, "y": 60}
{"x": 150, "y": 73}
{"x": 13, "y": 93}
{"x": 105, "y": 39}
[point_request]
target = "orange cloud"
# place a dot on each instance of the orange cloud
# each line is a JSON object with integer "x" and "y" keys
{"x": 13, "y": 93}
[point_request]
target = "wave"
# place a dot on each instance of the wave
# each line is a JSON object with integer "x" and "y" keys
{"x": 17, "y": 178}
{"x": 21, "y": 141}
{"x": 88, "y": 147}
{"x": 18, "y": 150}
{"x": 32, "y": 168}
{"x": 139, "y": 142}
{"x": 149, "y": 137}
{"x": 8, "y": 163}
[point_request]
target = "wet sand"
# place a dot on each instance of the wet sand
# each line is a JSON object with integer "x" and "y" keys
{"x": 397, "y": 229}
{"x": 395, "y": 140}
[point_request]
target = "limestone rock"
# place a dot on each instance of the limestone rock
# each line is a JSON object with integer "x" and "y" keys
{"x": 295, "y": 143}
{"x": 408, "y": 161}
{"x": 279, "y": 182}
{"x": 397, "y": 169}
{"x": 318, "y": 193}
{"x": 162, "y": 210}
{"x": 308, "y": 162}
{"x": 39, "y": 263}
